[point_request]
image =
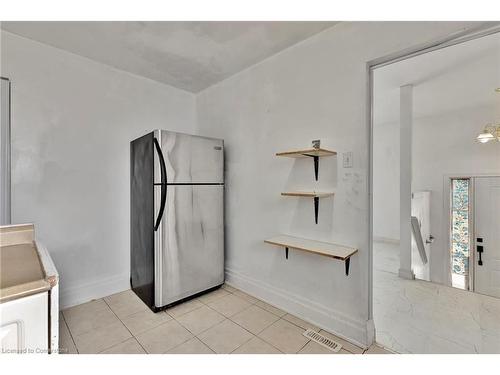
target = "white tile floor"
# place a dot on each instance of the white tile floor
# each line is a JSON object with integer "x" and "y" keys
{"x": 226, "y": 320}
{"x": 413, "y": 316}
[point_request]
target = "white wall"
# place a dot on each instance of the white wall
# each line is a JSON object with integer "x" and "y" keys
{"x": 72, "y": 121}
{"x": 386, "y": 182}
{"x": 315, "y": 89}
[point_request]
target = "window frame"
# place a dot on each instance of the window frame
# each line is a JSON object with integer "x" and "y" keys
{"x": 470, "y": 267}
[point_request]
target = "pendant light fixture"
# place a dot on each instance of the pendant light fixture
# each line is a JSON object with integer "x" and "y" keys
{"x": 491, "y": 132}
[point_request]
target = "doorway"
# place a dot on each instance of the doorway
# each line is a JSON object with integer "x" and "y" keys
{"x": 427, "y": 111}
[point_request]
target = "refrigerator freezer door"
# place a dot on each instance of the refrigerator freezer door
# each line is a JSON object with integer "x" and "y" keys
{"x": 190, "y": 242}
{"x": 191, "y": 159}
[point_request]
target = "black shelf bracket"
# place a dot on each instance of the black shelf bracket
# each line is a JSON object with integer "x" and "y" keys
{"x": 347, "y": 263}
{"x": 316, "y": 164}
{"x": 316, "y": 209}
{"x": 286, "y": 252}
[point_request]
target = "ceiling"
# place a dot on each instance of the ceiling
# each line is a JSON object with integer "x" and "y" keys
{"x": 445, "y": 80}
{"x": 188, "y": 55}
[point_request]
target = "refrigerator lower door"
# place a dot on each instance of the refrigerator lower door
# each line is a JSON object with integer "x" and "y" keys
{"x": 189, "y": 245}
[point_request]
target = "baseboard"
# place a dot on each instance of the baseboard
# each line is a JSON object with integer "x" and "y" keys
{"x": 406, "y": 274}
{"x": 392, "y": 241}
{"x": 370, "y": 332}
{"x": 358, "y": 332}
{"x": 97, "y": 289}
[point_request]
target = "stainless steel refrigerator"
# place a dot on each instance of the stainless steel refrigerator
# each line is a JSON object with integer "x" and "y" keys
{"x": 177, "y": 216}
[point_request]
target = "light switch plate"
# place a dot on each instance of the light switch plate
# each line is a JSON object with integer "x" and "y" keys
{"x": 347, "y": 159}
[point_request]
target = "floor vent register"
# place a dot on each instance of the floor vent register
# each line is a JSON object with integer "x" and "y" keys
{"x": 322, "y": 340}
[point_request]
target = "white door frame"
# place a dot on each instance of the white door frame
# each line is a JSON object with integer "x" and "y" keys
{"x": 484, "y": 29}
{"x": 5, "y": 152}
{"x": 446, "y": 232}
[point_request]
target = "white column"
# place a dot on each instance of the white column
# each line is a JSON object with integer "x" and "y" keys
{"x": 405, "y": 135}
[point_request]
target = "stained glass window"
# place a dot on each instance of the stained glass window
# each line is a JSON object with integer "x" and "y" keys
{"x": 460, "y": 241}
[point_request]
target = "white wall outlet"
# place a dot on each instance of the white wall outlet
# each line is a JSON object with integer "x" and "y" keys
{"x": 347, "y": 159}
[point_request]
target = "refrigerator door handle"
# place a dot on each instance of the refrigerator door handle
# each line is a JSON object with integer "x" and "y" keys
{"x": 163, "y": 171}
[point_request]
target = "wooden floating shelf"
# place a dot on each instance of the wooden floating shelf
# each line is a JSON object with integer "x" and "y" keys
{"x": 314, "y": 153}
{"x": 310, "y": 194}
{"x": 327, "y": 249}
{"x": 319, "y": 152}
{"x": 318, "y": 247}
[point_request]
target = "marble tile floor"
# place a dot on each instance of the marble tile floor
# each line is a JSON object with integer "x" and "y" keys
{"x": 413, "y": 316}
{"x": 226, "y": 320}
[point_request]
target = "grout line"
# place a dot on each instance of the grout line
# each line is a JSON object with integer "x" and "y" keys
{"x": 260, "y": 307}
{"x": 302, "y": 329}
{"x": 243, "y": 343}
{"x": 185, "y": 341}
{"x": 216, "y": 299}
{"x": 70, "y": 334}
{"x": 215, "y": 325}
{"x": 225, "y": 318}
{"x": 296, "y": 325}
{"x": 262, "y": 330}
{"x": 253, "y": 334}
{"x": 303, "y": 346}
{"x": 172, "y": 318}
{"x": 149, "y": 329}
{"x": 125, "y": 327}
{"x": 268, "y": 304}
{"x": 67, "y": 325}
{"x": 175, "y": 318}
{"x": 239, "y": 346}
{"x": 222, "y": 321}
{"x": 244, "y": 298}
{"x": 196, "y": 335}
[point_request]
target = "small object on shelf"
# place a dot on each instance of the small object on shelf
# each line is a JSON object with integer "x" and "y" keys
{"x": 316, "y": 144}
{"x": 314, "y": 153}
{"x": 311, "y": 194}
{"x": 327, "y": 249}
